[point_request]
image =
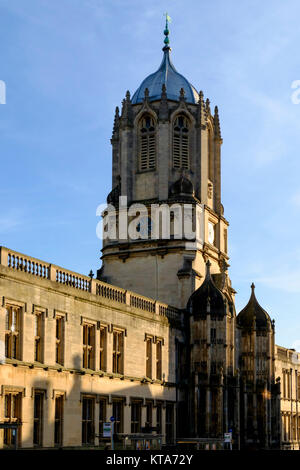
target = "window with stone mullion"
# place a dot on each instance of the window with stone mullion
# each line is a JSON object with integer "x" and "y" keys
{"x": 181, "y": 143}
{"x": 147, "y": 144}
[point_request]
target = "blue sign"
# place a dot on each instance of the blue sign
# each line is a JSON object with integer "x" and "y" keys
{"x": 112, "y": 419}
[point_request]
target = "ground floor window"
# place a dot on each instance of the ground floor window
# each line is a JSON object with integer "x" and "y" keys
{"x": 88, "y": 418}
{"x": 38, "y": 419}
{"x": 12, "y": 414}
{"x": 158, "y": 417}
{"x": 58, "y": 425}
{"x": 136, "y": 416}
{"x": 169, "y": 423}
{"x": 102, "y": 415}
{"x": 149, "y": 409}
{"x": 118, "y": 406}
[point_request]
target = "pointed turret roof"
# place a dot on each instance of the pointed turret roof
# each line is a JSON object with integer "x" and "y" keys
{"x": 253, "y": 314}
{"x": 207, "y": 299}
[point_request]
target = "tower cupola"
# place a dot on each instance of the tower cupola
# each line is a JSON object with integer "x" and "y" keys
{"x": 166, "y": 75}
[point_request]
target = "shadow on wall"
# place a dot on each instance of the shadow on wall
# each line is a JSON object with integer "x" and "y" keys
{"x": 73, "y": 413}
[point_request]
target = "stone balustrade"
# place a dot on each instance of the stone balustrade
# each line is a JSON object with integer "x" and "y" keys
{"x": 35, "y": 267}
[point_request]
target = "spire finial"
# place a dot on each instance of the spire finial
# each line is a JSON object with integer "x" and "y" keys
{"x": 208, "y": 265}
{"x": 252, "y": 287}
{"x": 166, "y": 32}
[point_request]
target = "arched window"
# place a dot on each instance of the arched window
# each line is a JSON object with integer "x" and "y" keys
{"x": 147, "y": 144}
{"x": 181, "y": 142}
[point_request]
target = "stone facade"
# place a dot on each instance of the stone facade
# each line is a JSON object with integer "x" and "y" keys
{"x": 287, "y": 369}
{"x": 34, "y": 287}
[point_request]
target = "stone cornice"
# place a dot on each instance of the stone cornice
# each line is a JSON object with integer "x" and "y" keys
{"x": 97, "y": 373}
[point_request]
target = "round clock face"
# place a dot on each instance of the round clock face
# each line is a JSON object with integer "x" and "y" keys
{"x": 144, "y": 227}
{"x": 211, "y": 233}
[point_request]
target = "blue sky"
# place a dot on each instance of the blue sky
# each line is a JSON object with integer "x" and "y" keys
{"x": 68, "y": 63}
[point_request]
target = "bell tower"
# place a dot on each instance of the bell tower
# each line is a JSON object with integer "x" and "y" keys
{"x": 166, "y": 153}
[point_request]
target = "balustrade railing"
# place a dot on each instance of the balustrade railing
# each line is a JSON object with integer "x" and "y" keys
{"x": 35, "y": 267}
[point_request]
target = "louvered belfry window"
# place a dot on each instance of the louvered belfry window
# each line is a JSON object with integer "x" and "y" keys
{"x": 147, "y": 146}
{"x": 181, "y": 142}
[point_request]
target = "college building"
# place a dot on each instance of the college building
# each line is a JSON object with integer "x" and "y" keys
{"x": 153, "y": 340}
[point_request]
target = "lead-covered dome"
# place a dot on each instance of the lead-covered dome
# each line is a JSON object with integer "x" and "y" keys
{"x": 166, "y": 75}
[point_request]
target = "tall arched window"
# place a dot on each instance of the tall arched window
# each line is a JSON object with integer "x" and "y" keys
{"x": 181, "y": 142}
{"x": 147, "y": 144}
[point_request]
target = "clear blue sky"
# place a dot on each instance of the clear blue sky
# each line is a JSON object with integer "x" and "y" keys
{"x": 68, "y": 63}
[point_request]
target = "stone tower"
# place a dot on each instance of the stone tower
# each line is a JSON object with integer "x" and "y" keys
{"x": 260, "y": 395}
{"x": 213, "y": 379}
{"x": 166, "y": 151}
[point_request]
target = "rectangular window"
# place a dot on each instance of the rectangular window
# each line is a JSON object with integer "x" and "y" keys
{"x": 103, "y": 347}
{"x": 288, "y": 384}
{"x": 149, "y": 410}
{"x": 102, "y": 415}
{"x": 12, "y": 332}
{"x": 294, "y": 427}
{"x": 88, "y": 425}
{"x": 149, "y": 357}
{"x": 12, "y": 414}
{"x": 159, "y": 359}
{"x": 213, "y": 335}
{"x": 59, "y": 416}
{"x": 60, "y": 331}
{"x": 118, "y": 415}
{"x": 88, "y": 356}
{"x": 38, "y": 336}
{"x": 136, "y": 416}
{"x": 38, "y": 419}
{"x": 169, "y": 423}
{"x": 158, "y": 417}
{"x": 118, "y": 352}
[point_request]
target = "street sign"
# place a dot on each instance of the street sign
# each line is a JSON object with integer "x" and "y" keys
{"x": 228, "y": 437}
{"x": 112, "y": 418}
{"x": 107, "y": 429}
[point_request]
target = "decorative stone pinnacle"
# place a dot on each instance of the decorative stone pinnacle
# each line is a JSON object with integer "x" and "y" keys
{"x": 163, "y": 107}
{"x": 181, "y": 95}
{"x": 146, "y": 94}
{"x": 208, "y": 106}
{"x": 126, "y": 115}
{"x": 217, "y": 123}
{"x": 116, "y": 122}
{"x": 253, "y": 287}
